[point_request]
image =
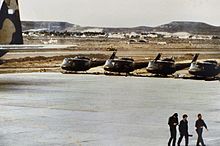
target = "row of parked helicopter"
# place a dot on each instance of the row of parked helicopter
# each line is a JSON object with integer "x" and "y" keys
{"x": 158, "y": 66}
{"x": 11, "y": 39}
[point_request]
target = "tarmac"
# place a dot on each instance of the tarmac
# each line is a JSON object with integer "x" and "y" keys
{"x": 54, "y": 109}
{"x": 141, "y": 54}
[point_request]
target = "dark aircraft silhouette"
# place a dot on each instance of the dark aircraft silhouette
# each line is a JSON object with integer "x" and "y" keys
{"x": 208, "y": 68}
{"x": 3, "y": 52}
{"x": 80, "y": 63}
{"x": 166, "y": 66}
{"x": 122, "y": 65}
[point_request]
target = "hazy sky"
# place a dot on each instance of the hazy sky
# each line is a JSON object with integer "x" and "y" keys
{"x": 121, "y": 12}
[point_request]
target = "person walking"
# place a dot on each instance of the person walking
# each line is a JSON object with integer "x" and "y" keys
{"x": 199, "y": 129}
{"x": 183, "y": 130}
{"x": 173, "y": 122}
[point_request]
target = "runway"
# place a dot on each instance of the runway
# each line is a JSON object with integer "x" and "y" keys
{"x": 53, "y": 109}
{"x": 141, "y": 54}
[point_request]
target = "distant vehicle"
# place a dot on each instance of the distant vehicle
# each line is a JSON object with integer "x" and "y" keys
{"x": 161, "y": 43}
{"x": 166, "y": 66}
{"x": 80, "y": 63}
{"x": 208, "y": 68}
{"x": 122, "y": 65}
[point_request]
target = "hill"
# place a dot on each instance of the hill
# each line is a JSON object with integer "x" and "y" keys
{"x": 190, "y": 27}
{"x": 175, "y": 26}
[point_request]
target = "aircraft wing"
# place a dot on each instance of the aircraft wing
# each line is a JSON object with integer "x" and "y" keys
{"x": 141, "y": 64}
{"x": 180, "y": 66}
{"x": 35, "y": 47}
{"x": 96, "y": 63}
{"x": 7, "y": 48}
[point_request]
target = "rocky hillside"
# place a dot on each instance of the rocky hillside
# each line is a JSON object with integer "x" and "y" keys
{"x": 46, "y": 25}
{"x": 190, "y": 27}
{"x": 175, "y": 26}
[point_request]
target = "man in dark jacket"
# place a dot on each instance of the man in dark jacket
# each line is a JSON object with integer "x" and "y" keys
{"x": 199, "y": 129}
{"x": 183, "y": 129}
{"x": 173, "y": 122}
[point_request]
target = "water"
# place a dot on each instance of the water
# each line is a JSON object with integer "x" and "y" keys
{"x": 82, "y": 110}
